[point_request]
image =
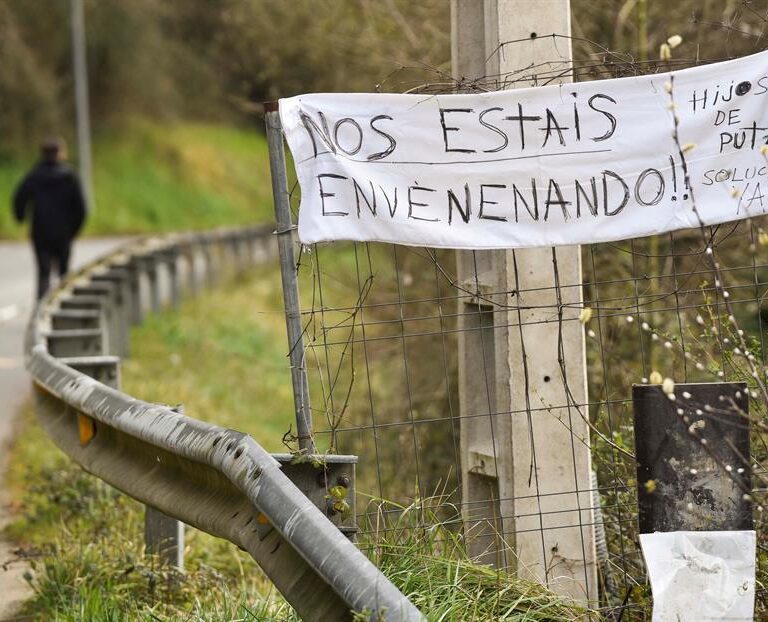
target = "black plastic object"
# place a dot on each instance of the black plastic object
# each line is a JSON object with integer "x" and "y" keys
{"x": 693, "y": 469}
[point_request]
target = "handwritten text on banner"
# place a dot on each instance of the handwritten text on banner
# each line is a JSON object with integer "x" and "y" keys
{"x": 561, "y": 164}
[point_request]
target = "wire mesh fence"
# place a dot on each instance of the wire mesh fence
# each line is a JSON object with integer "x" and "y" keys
{"x": 406, "y": 347}
{"x": 381, "y": 330}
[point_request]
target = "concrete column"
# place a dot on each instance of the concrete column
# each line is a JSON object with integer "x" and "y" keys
{"x": 526, "y": 475}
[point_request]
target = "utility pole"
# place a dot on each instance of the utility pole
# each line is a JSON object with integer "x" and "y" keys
{"x": 526, "y": 461}
{"x": 81, "y": 100}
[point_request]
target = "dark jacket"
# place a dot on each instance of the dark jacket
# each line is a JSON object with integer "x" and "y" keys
{"x": 58, "y": 206}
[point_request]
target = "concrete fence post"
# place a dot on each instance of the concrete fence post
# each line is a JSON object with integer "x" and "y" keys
{"x": 526, "y": 461}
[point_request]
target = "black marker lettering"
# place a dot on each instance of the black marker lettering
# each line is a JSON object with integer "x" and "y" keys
{"x": 553, "y": 125}
{"x": 521, "y": 119}
{"x": 639, "y": 186}
{"x": 446, "y": 129}
{"x": 699, "y": 100}
{"x": 580, "y": 192}
{"x": 341, "y": 123}
{"x": 325, "y": 133}
{"x": 576, "y": 123}
{"x": 392, "y": 142}
{"x": 608, "y": 115}
{"x": 359, "y": 192}
{"x": 391, "y": 204}
{"x": 519, "y": 195}
{"x": 624, "y": 201}
{"x": 558, "y": 199}
{"x": 324, "y": 194}
{"x": 453, "y": 201}
{"x": 412, "y": 203}
{"x": 505, "y": 139}
{"x": 484, "y": 202}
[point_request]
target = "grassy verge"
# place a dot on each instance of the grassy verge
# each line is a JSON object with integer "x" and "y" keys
{"x": 223, "y": 358}
{"x": 150, "y": 178}
{"x": 85, "y": 538}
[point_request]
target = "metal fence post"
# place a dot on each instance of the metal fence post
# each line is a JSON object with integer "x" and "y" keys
{"x": 290, "y": 278}
{"x": 538, "y": 504}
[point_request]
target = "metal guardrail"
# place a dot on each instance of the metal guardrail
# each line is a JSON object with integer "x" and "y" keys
{"x": 216, "y": 479}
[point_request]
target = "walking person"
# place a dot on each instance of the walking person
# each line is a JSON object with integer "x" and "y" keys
{"x": 51, "y": 198}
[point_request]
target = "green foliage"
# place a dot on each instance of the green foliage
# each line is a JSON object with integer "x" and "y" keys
{"x": 150, "y": 177}
{"x": 711, "y": 29}
{"x": 202, "y": 59}
{"x": 417, "y": 547}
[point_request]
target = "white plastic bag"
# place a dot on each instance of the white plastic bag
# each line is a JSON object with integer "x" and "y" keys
{"x": 698, "y": 576}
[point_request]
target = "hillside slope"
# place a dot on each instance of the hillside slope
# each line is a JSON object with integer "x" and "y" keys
{"x": 149, "y": 177}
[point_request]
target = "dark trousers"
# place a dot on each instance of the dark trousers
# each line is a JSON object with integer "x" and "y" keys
{"x": 48, "y": 253}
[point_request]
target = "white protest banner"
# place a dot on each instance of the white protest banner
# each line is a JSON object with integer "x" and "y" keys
{"x": 561, "y": 164}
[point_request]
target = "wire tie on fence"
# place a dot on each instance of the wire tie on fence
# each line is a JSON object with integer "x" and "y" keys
{"x": 283, "y": 231}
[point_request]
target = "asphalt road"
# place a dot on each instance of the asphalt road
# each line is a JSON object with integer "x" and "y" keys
{"x": 17, "y": 283}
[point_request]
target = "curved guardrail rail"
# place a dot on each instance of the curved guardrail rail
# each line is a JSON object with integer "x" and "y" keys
{"x": 216, "y": 479}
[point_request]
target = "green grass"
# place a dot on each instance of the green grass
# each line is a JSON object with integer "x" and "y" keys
{"x": 223, "y": 357}
{"x": 84, "y": 542}
{"x": 150, "y": 178}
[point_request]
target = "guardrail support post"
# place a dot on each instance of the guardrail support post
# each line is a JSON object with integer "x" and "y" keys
{"x": 290, "y": 278}
{"x": 74, "y": 319}
{"x": 210, "y": 267}
{"x": 93, "y": 303}
{"x": 118, "y": 277}
{"x": 164, "y": 537}
{"x": 150, "y": 267}
{"x": 76, "y": 342}
{"x": 170, "y": 257}
{"x": 107, "y": 293}
{"x": 190, "y": 256}
{"x": 136, "y": 312}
